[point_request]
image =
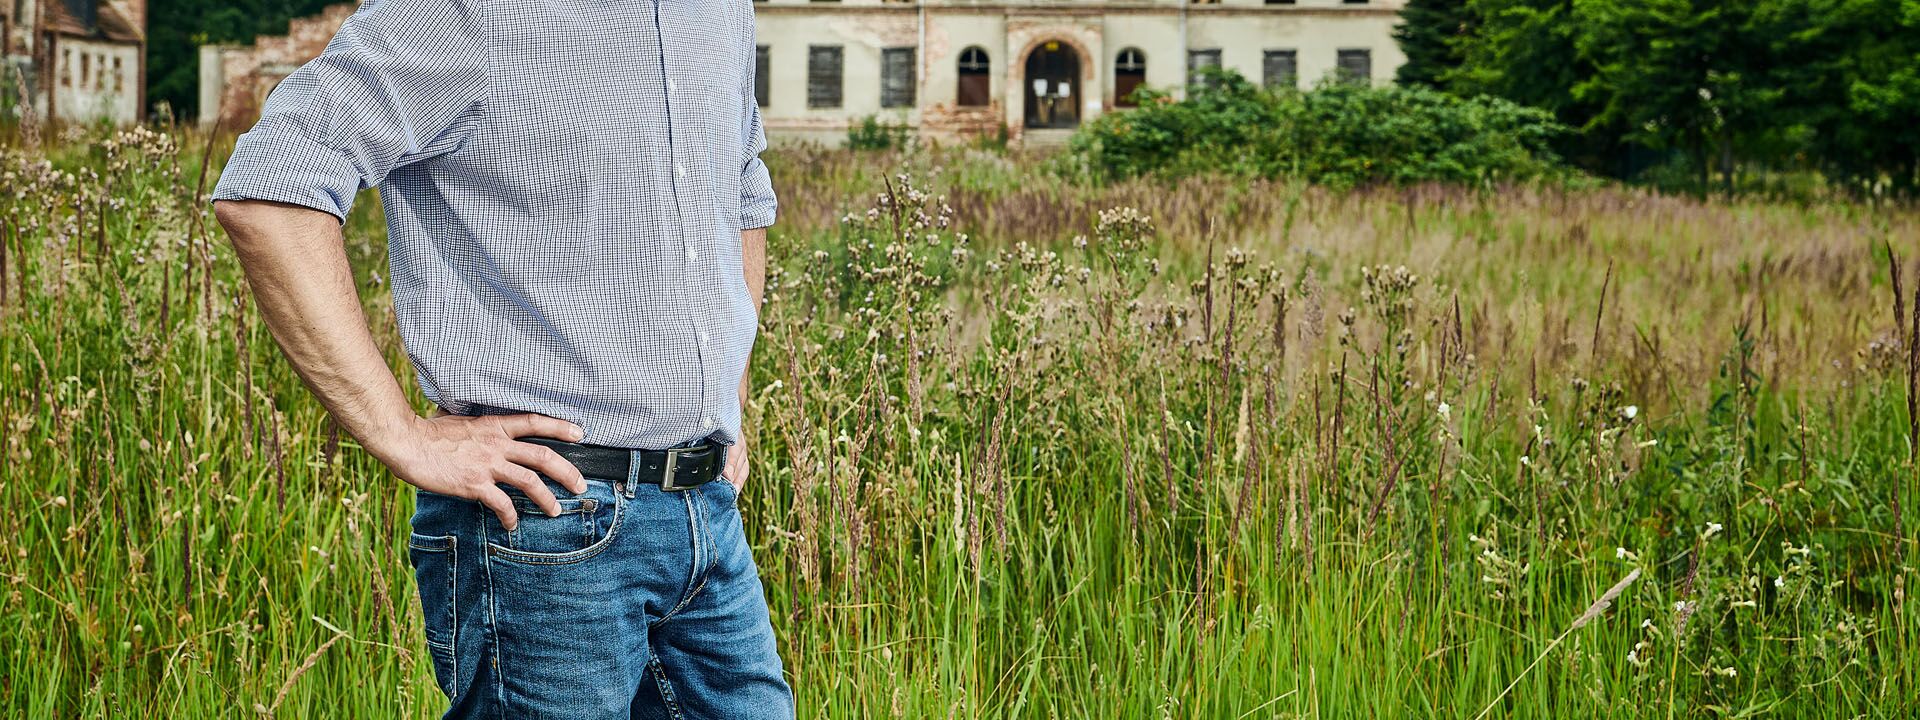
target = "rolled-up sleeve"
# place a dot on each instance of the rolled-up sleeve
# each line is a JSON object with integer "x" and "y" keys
{"x": 402, "y": 81}
{"x": 757, "y": 202}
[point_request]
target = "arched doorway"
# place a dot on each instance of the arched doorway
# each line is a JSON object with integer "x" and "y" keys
{"x": 1053, "y": 86}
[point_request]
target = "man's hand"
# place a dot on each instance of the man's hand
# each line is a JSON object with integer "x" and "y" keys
{"x": 736, "y": 470}
{"x": 471, "y": 457}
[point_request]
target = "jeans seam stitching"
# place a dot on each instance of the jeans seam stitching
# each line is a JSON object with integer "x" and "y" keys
{"x": 697, "y": 580}
{"x": 493, "y": 624}
{"x": 666, "y": 688}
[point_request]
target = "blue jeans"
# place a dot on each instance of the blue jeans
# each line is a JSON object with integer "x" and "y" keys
{"x": 633, "y": 602}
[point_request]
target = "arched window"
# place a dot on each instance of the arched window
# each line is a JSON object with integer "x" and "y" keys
{"x": 975, "y": 82}
{"x": 1129, "y": 73}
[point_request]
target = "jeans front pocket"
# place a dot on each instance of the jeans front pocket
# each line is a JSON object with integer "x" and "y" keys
{"x": 435, "y": 567}
{"x": 584, "y": 527}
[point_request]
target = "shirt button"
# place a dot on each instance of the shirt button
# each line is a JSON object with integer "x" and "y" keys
{"x": 691, "y": 255}
{"x": 703, "y": 338}
{"x": 671, "y": 87}
{"x": 706, "y": 423}
{"x": 680, "y": 170}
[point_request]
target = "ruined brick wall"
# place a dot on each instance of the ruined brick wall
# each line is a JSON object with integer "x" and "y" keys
{"x": 236, "y": 79}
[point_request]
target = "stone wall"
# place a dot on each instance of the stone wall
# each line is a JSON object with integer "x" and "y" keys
{"x": 235, "y": 79}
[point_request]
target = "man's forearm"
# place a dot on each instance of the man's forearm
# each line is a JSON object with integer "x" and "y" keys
{"x": 296, "y": 263}
{"x": 753, "y": 263}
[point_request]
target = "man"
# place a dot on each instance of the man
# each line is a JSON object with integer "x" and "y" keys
{"x": 576, "y": 220}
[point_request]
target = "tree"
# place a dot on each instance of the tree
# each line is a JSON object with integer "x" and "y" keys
{"x": 1431, "y": 33}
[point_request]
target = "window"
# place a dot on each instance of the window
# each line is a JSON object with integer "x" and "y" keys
{"x": 119, "y": 78}
{"x": 1356, "y": 66}
{"x": 1129, "y": 73}
{"x": 1281, "y": 69}
{"x": 1198, "y": 60}
{"x": 762, "y": 68}
{"x": 896, "y": 77}
{"x": 66, "y": 68}
{"x": 1353, "y": 2}
{"x": 1279, "y": 2}
{"x": 976, "y": 82}
{"x": 823, "y": 76}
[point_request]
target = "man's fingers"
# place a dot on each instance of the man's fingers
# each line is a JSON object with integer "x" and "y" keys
{"x": 531, "y": 425}
{"x": 529, "y": 483}
{"x": 549, "y": 463}
{"x": 502, "y": 506}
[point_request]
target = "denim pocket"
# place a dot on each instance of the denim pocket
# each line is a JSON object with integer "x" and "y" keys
{"x": 583, "y": 521}
{"x": 725, "y": 493}
{"x": 435, "y": 566}
{"x": 584, "y": 526}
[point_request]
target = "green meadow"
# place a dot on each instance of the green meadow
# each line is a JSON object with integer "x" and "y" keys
{"x": 1026, "y": 447}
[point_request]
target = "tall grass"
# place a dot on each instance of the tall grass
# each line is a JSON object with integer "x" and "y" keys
{"x": 1218, "y": 449}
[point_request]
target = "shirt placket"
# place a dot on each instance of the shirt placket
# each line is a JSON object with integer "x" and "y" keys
{"x": 685, "y": 184}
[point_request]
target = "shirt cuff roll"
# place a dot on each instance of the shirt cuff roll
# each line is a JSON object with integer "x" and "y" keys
{"x": 758, "y": 213}
{"x": 288, "y": 167}
{"x": 757, "y": 202}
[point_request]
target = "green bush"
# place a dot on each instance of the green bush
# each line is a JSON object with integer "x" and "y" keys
{"x": 1341, "y": 134}
{"x": 872, "y": 134}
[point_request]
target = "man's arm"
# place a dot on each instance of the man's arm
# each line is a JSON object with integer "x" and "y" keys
{"x": 753, "y": 263}
{"x": 296, "y": 263}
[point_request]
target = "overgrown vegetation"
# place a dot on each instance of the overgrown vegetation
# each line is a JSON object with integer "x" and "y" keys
{"x": 1213, "y": 448}
{"x": 872, "y": 133}
{"x": 1731, "y": 94}
{"x": 1339, "y": 133}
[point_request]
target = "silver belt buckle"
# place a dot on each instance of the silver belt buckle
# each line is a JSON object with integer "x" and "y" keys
{"x": 666, "y": 478}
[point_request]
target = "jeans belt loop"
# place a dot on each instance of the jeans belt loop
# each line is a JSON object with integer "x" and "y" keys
{"x": 633, "y": 472}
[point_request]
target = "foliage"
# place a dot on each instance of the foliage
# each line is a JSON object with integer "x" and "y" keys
{"x": 1217, "y": 448}
{"x": 1342, "y": 134}
{"x": 1728, "y": 87}
{"x": 873, "y": 134}
{"x": 1429, "y": 34}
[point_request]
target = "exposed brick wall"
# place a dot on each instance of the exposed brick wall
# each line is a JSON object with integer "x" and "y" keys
{"x": 247, "y": 74}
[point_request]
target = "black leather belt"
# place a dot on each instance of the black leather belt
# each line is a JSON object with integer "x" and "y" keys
{"x": 675, "y": 469}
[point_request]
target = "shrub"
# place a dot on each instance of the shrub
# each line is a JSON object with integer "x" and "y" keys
{"x": 872, "y": 134}
{"x": 1341, "y": 134}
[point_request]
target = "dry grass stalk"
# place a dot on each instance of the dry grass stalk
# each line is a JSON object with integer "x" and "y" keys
{"x": 1593, "y": 611}
{"x": 1383, "y": 418}
{"x": 313, "y": 659}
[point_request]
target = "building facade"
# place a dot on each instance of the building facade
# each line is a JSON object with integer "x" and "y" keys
{"x": 1034, "y": 69}
{"x": 74, "y": 60}
{"x": 1038, "y": 68}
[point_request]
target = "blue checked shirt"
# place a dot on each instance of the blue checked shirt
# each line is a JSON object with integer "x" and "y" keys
{"x": 565, "y": 182}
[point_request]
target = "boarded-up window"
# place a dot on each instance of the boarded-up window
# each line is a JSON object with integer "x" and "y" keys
{"x": 896, "y": 77}
{"x": 1198, "y": 60}
{"x": 762, "y": 68}
{"x": 1129, "y": 73}
{"x": 1356, "y": 66}
{"x": 823, "y": 76}
{"x": 1281, "y": 69}
{"x": 976, "y": 82}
